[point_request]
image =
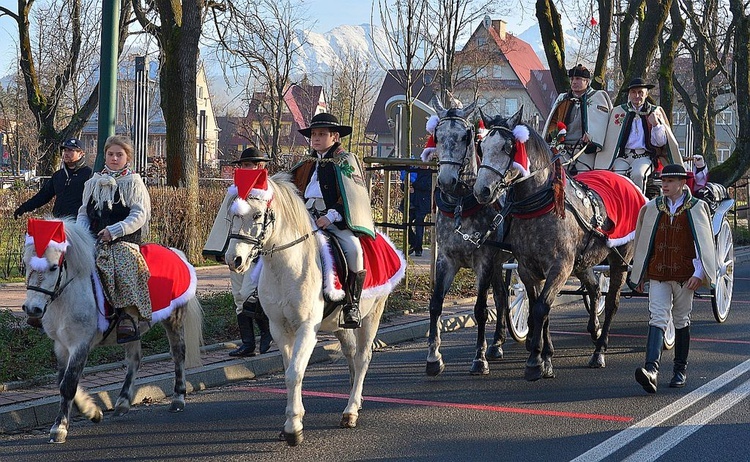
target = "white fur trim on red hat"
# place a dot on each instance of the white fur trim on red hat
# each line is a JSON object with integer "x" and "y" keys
{"x": 521, "y": 133}
{"x": 40, "y": 263}
{"x": 432, "y": 123}
{"x": 427, "y": 154}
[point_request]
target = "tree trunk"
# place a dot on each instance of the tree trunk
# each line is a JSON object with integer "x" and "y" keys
{"x": 553, "y": 39}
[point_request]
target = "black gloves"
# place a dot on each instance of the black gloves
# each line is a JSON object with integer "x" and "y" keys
{"x": 19, "y": 211}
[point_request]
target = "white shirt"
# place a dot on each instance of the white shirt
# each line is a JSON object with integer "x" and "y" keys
{"x": 637, "y": 139}
{"x": 313, "y": 191}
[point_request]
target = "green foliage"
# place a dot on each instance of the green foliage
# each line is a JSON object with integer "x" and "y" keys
{"x": 25, "y": 353}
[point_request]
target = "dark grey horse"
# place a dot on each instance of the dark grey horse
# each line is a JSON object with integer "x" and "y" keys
{"x": 550, "y": 246}
{"x": 465, "y": 234}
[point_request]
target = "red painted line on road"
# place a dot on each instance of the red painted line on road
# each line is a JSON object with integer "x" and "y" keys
{"x": 474, "y": 407}
{"x": 692, "y": 339}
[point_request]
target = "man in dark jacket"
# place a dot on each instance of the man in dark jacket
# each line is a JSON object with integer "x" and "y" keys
{"x": 66, "y": 184}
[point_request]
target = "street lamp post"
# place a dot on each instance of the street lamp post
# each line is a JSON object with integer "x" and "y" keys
{"x": 107, "y": 77}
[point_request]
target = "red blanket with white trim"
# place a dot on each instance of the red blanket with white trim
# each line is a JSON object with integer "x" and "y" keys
{"x": 622, "y": 200}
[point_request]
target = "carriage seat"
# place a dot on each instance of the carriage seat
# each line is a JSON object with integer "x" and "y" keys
{"x": 713, "y": 194}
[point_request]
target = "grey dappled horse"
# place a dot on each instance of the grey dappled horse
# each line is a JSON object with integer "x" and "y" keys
{"x": 548, "y": 247}
{"x": 290, "y": 289}
{"x": 461, "y": 228}
{"x": 63, "y": 296}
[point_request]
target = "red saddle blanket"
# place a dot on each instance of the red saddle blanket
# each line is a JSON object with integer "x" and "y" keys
{"x": 384, "y": 264}
{"x": 622, "y": 200}
{"x": 172, "y": 283}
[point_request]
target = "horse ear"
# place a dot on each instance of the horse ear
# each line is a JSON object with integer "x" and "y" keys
{"x": 438, "y": 106}
{"x": 487, "y": 121}
{"x": 516, "y": 119}
{"x": 469, "y": 109}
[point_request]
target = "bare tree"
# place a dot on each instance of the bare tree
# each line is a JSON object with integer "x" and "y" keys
{"x": 405, "y": 24}
{"x": 177, "y": 27}
{"x": 55, "y": 42}
{"x": 262, "y": 36}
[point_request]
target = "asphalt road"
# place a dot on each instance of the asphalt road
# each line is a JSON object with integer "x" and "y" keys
{"x": 582, "y": 414}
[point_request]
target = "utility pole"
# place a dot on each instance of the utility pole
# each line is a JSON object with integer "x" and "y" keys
{"x": 107, "y": 77}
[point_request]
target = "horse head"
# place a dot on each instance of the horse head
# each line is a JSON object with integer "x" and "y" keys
{"x": 252, "y": 221}
{"x": 454, "y": 140}
{"x": 52, "y": 263}
{"x": 502, "y": 162}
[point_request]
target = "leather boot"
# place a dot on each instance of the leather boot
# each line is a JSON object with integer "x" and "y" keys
{"x": 127, "y": 327}
{"x": 681, "y": 349}
{"x": 247, "y": 334}
{"x": 265, "y": 332}
{"x": 252, "y": 307}
{"x": 352, "y": 318}
{"x": 648, "y": 374}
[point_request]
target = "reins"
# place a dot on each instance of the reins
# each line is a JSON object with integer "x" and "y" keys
{"x": 55, "y": 293}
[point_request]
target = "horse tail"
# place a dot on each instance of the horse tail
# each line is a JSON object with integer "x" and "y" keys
{"x": 193, "y": 332}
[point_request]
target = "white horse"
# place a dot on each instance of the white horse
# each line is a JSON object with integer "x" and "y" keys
{"x": 290, "y": 288}
{"x": 63, "y": 291}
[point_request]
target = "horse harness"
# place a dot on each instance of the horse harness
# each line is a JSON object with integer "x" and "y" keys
{"x": 469, "y": 136}
{"x": 59, "y": 285}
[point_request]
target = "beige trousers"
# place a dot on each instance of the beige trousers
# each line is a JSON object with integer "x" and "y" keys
{"x": 669, "y": 298}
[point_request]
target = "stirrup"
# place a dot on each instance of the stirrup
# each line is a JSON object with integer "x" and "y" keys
{"x": 126, "y": 335}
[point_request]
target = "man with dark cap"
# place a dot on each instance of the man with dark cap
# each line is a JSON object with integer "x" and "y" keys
{"x": 638, "y": 137}
{"x": 674, "y": 252}
{"x": 66, "y": 184}
{"x": 244, "y": 288}
{"x": 584, "y": 114}
{"x": 331, "y": 182}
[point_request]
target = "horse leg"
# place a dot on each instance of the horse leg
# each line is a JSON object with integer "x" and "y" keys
{"x": 443, "y": 280}
{"x": 295, "y": 411}
{"x": 133, "y": 357}
{"x": 495, "y": 351}
{"x": 365, "y": 336}
{"x": 68, "y": 376}
{"x": 480, "y": 366}
{"x": 539, "y": 364}
{"x": 86, "y": 405}
{"x": 593, "y": 292}
{"x": 176, "y": 337}
{"x": 617, "y": 276}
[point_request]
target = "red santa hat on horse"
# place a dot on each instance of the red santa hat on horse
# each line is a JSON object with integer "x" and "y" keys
{"x": 44, "y": 234}
{"x": 430, "y": 146}
{"x": 249, "y": 184}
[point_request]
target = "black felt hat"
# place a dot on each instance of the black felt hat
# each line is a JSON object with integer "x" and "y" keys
{"x": 251, "y": 154}
{"x": 579, "y": 71}
{"x": 675, "y": 171}
{"x": 639, "y": 83}
{"x": 326, "y": 120}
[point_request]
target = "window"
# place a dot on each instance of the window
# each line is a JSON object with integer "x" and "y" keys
{"x": 464, "y": 72}
{"x": 725, "y": 117}
{"x": 679, "y": 118}
{"x": 481, "y": 41}
{"x": 497, "y": 71}
{"x": 200, "y": 92}
{"x": 722, "y": 154}
{"x": 511, "y": 106}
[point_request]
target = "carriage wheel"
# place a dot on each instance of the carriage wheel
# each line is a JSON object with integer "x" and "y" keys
{"x": 669, "y": 335}
{"x": 517, "y": 316}
{"x": 721, "y": 296}
{"x": 603, "y": 289}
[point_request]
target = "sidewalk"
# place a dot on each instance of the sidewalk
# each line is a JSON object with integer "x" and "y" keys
{"x": 26, "y": 406}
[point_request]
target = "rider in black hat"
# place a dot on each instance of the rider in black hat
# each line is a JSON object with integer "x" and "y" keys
{"x": 332, "y": 184}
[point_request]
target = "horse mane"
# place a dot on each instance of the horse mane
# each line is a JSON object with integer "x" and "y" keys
{"x": 288, "y": 205}
{"x": 535, "y": 141}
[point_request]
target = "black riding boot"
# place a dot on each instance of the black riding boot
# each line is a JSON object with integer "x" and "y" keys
{"x": 648, "y": 374}
{"x": 681, "y": 349}
{"x": 265, "y": 332}
{"x": 352, "y": 319}
{"x": 127, "y": 327}
{"x": 252, "y": 307}
{"x": 247, "y": 334}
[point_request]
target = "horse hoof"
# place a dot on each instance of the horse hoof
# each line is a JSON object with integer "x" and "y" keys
{"x": 121, "y": 410}
{"x": 348, "y": 420}
{"x": 58, "y": 436}
{"x": 435, "y": 368}
{"x": 547, "y": 372}
{"x": 479, "y": 367}
{"x": 597, "y": 361}
{"x": 494, "y": 353}
{"x": 98, "y": 416}
{"x": 177, "y": 406}
{"x": 292, "y": 439}
{"x": 532, "y": 374}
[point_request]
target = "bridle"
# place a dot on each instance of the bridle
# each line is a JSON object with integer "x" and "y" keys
{"x": 465, "y": 160}
{"x": 59, "y": 285}
{"x": 256, "y": 242}
{"x": 511, "y": 153}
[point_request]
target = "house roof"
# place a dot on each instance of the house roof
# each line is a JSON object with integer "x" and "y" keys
{"x": 526, "y": 65}
{"x": 303, "y": 102}
{"x": 378, "y": 123}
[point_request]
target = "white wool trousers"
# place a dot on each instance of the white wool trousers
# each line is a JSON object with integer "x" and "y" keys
{"x": 637, "y": 169}
{"x": 350, "y": 246}
{"x": 242, "y": 287}
{"x": 669, "y": 298}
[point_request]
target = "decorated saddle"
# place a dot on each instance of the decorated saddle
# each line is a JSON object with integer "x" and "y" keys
{"x": 622, "y": 200}
{"x": 172, "y": 283}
